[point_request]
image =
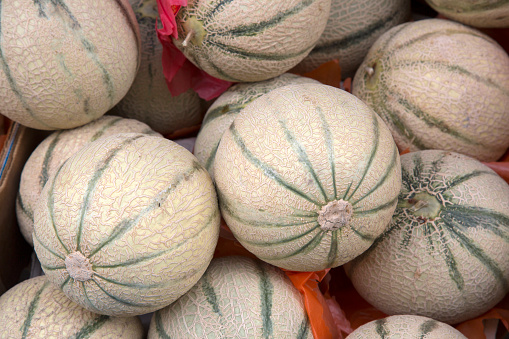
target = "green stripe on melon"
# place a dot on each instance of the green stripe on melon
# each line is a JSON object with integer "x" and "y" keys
{"x": 484, "y": 13}
{"x": 237, "y": 297}
{"x": 450, "y": 229}
{"x": 148, "y": 99}
{"x": 439, "y": 85}
{"x": 62, "y": 71}
{"x": 307, "y": 177}
{"x": 406, "y": 326}
{"x": 227, "y": 106}
{"x": 53, "y": 151}
{"x": 352, "y": 27}
{"x": 245, "y": 41}
{"x": 35, "y": 308}
{"x": 127, "y": 225}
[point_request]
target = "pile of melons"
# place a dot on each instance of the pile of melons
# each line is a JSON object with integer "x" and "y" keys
{"x": 386, "y": 182}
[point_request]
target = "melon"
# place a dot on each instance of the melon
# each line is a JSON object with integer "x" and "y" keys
{"x": 407, "y": 327}
{"x": 237, "y": 297}
{"x": 52, "y": 152}
{"x": 249, "y": 40}
{"x": 439, "y": 85}
{"x": 307, "y": 177}
{"x": 477, "y": 13}
{"x": 65, "y": 63}
{"x": 149, "y": 100}
{"x": 227, "y": 106}
{"x": 127, "y": 225}
{"x": 446, "y": 253}
{"x": 35, "y": 308}
{"x": 352, "y": 28}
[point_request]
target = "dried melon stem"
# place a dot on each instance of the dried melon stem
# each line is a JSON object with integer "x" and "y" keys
{"x": 423, "y": 205}
{"x": 335, "y": 214}
{"x": 78, "y": 266}
{"x": 194, "y": 31}
{"x": 373, "y": 74}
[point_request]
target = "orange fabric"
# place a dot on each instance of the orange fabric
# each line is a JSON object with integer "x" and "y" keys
{"x": 3, "y": 137}
{"x": 359, "y": 312}
{"x": 347, "y": 85}
{"x": 328, "y": 73}
{"x": 320, "y": 317}
{"x": 502, "y": 169}
{"x": 474, "y": 328}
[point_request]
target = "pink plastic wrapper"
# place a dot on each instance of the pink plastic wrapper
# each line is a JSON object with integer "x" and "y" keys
{"x": 181, "y": 74}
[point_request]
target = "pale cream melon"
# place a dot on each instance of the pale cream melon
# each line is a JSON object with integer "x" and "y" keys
{"x": 65, "y": 64}
{"x": 406, "y": 327}
{"x": 237, "y": 297}
{"x": 439, "y": 85}
{"x": 445, "y": 254}
{"x": 352, "y": 28}
{"x": 127, "y": 225}
{"x": 307, "y": 177}
{"x": 227, "y": 106}
{"x": 477, "y": 13}
{"x": 52, "y": 152}
{"x": 149, "y": 100}
{"x": 249, "y": 40}
{"x": 35, "y": 308}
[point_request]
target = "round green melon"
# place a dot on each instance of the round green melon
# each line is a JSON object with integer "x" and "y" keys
{"x": 307, "y": 177}
{"x": 52, "y": 152}
{"x": 237, "y": 297}
{"x": 227, "y": 106}
{"x": 35, "y": 308}
{"x": 406, "y": 327}
{"x": 352, "y": 28}
{"x": 65, "y": 64}
{"x": 445, "y": 254}
{"x": 249, "y": 40}
{"x": 439, "y": 85}
{"x": 149, "y": 100}
{"x": 127, "y": 225}
{"x": 477, "y": 13}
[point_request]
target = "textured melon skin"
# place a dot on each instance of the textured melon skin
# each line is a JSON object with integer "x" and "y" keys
{"x": 248, "y": 40}
{"x": 352, "y": 28}
{"x": 237, "y": 297}
{"x": 149, "y": 100}
{"x": 35, "y": 308}
{"x": 407, "y": 327}
{"x": 447, "y": 260}
{"x": 52, "y": 152}
{"x": 141, "y": 210}
{"x": 71, "y": 64}
{"x": 439, "y": 85}
{"x": 290, "y": 153}
{"x": 227, "y": 106}
{"x": 477, "y": 13}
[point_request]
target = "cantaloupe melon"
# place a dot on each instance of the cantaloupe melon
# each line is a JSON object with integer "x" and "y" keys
{"x": 127, "y": 225}
{"x": 249, "y": 40}
{"x": 477, "y": 13}
{"x": 52, "y": 152}
{"x": 445, "y": 254}
{"x": 65, "y": 63}
{"x": 352, "y": 28}
{"x": 406, "y": 327}
{"x": 439, "y": 85}
{"x": 227, "y": 106}
{"x": 307, "y": 177}
{"x": 149, "y": 100}
{"x": 35, "y": 308}
{"x": 237, "y": 297}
